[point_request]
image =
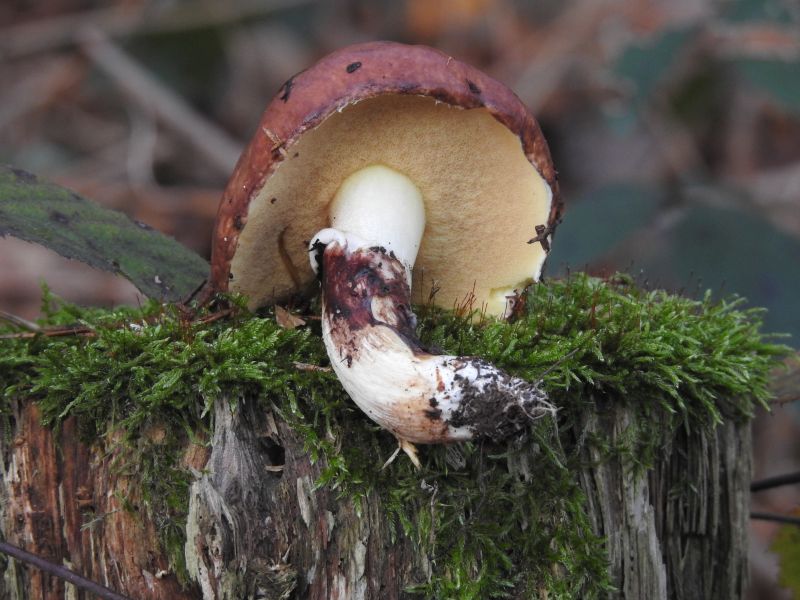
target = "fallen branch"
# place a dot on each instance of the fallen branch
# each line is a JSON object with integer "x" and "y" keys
{"x": 308, "y": 367}
{"x": 773, "y": 482}
{"x": 54, "y": 332}
{"x": 72, "y": 577}
{"x": 775, "y": 518}
{"x": 219, "y": 149}
{"x": 86, "y": 331}
{"x": 19, "y": 321}
{"x": 45, "y": 35}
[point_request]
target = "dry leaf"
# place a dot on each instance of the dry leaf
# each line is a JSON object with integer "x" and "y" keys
{"x": 300, "y": 366}
{"x": 286, "y": 319}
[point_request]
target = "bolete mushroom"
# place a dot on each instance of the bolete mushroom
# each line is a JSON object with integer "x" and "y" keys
{"x": 405, "y": 171}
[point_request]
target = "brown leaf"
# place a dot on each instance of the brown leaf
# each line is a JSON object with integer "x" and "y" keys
{"x": 286, "y": 319}
{"x": 300, "y": 366}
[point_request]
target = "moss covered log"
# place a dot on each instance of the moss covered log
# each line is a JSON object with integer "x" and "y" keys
{"x": 177, "y": 457}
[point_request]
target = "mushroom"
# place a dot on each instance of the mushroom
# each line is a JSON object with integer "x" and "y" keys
{"x": 404, "y": 161}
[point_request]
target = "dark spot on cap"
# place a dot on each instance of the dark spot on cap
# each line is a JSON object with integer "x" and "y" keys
{"x": 237, "y": 222}
{"x": 473, "y": 88}
{"x": 353, "y": 67}
{"x": 273, "y": 200}
{"x": 230, "y": 275}
{"x": 287, "y": 89}
{"x": 296, "y": 154}
{"x": 59, "y": 217}
{"x": 433, "y": 402}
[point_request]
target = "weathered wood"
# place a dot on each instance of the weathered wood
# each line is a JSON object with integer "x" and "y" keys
{"x": 258, "y": 527}
{"x": 679, "y": 530}
{"x": 64, "y": 502}
{"x": 277, "y": 532}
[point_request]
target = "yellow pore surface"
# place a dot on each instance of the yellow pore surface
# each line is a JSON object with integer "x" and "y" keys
{"x": 483, "y": 200}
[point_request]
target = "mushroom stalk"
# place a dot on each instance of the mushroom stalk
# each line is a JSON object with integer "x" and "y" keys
{"x": 384, "y": 208}
{"x": 369, "y": 330}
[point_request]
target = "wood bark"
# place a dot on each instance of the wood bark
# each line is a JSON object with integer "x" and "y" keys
{"x": 678, "y": 530}
{"x": 259, "y": 528}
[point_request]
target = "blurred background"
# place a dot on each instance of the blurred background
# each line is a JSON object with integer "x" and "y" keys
{"x": 675, "y": 126}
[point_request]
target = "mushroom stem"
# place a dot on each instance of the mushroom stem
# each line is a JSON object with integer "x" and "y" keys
{"x": 369, "y": 330}
{"x": 384, "y": 208}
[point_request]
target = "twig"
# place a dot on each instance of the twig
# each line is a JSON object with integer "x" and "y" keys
{"x": 220, "y": 314}
{"x": 54, "y": 332}
{"x": 87, "y": 331}
{"x": 142, "y": 143}
{"x": 19, "y": 321}
{"x": 301, "y": 366}
{"x": 776, "y": 518}
{"x": 193, "y": 294}
{"x": 44, "y": 35}
{"x": 554, "y": 51}
{"x": 72, "y": 577}
{"x": 141, "y": 87}
{"x": 773, "y": 482}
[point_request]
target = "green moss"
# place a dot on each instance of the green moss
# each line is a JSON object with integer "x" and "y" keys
{"x": 677, "y": 362}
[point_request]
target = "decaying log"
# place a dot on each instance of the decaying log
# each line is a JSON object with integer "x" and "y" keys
{"x": 259, "y": 528}
{"x": 679, "y": 530}
{"x": 63, "y": 502}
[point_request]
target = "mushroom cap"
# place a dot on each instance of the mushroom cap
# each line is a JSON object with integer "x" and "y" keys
{"x": 476, "y": 153}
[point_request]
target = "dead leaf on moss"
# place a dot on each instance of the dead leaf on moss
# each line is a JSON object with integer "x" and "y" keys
{"x": 286, "y": 319}
{"x": 300, "y": 366}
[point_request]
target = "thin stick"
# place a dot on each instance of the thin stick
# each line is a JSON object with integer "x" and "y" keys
{"x": 44, "y": 35}
{"x": 541, "y": 69}
{"x": 301, "y": 366}
{"x": 89, "y": 332}
{"x": 72, "y": 577}
{"x": 55, "y": 332}
{"x": 776, "y": 518}
{"x": 19, "y": 321}
{"x": 773, "y": 482}
{"x": 219, "y": 149}
{"x": 220, "y": 314}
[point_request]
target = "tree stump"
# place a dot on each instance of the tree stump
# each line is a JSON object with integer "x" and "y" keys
{"x": 259, "y": 528}
{"x": 221, "y": 459}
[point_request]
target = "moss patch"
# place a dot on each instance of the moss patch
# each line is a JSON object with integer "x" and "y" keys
{"x": 679, "y": 362}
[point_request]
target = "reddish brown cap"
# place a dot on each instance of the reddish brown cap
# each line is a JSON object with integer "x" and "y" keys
{"x": 375, "y": 103}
